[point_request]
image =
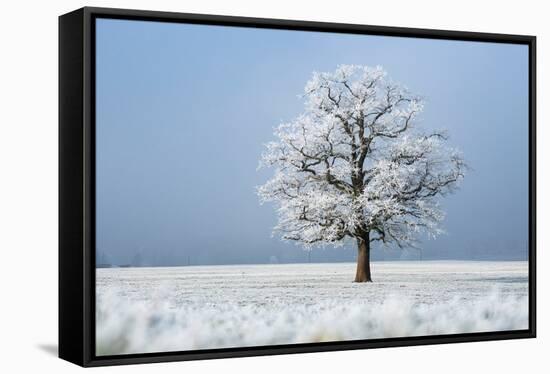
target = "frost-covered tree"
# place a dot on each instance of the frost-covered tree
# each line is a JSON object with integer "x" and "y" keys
{"x": 354, "y": 166}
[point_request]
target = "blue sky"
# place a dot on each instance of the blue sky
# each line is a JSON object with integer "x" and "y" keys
{"x": 183, "y": 111}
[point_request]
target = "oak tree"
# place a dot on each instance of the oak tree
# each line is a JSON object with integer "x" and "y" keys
{"x": 356, "y": 166}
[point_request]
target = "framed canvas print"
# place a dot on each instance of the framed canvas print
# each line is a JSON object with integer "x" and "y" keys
{"x": 234, "y": 186}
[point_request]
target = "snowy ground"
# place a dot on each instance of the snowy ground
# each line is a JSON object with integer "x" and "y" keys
{"x": 199, "y": 307}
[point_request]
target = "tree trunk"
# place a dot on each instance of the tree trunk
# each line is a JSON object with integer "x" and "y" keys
{"x": 363, "y": 259}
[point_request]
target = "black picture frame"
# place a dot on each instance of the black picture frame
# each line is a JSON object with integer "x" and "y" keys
{"x": 77, "y": 176}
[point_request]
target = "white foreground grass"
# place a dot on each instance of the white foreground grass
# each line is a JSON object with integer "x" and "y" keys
{"x": 200, "y": 307}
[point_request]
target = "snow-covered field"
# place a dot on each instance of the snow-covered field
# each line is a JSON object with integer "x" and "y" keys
{"x": 199, "y": 307}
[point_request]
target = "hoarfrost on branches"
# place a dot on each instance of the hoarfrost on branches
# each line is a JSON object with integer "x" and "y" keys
{"x": 355, "y": 164}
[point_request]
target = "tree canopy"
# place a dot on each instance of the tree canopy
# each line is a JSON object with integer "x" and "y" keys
{"x": 355, "y": 163}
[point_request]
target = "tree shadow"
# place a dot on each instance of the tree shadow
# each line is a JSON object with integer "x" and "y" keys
{"x": 50, "y": 349}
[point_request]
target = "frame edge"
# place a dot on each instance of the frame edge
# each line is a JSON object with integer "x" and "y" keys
{"x": 70, "y": 251}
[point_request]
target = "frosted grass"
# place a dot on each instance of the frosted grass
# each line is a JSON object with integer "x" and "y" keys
{"x": 201, "y": 307}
